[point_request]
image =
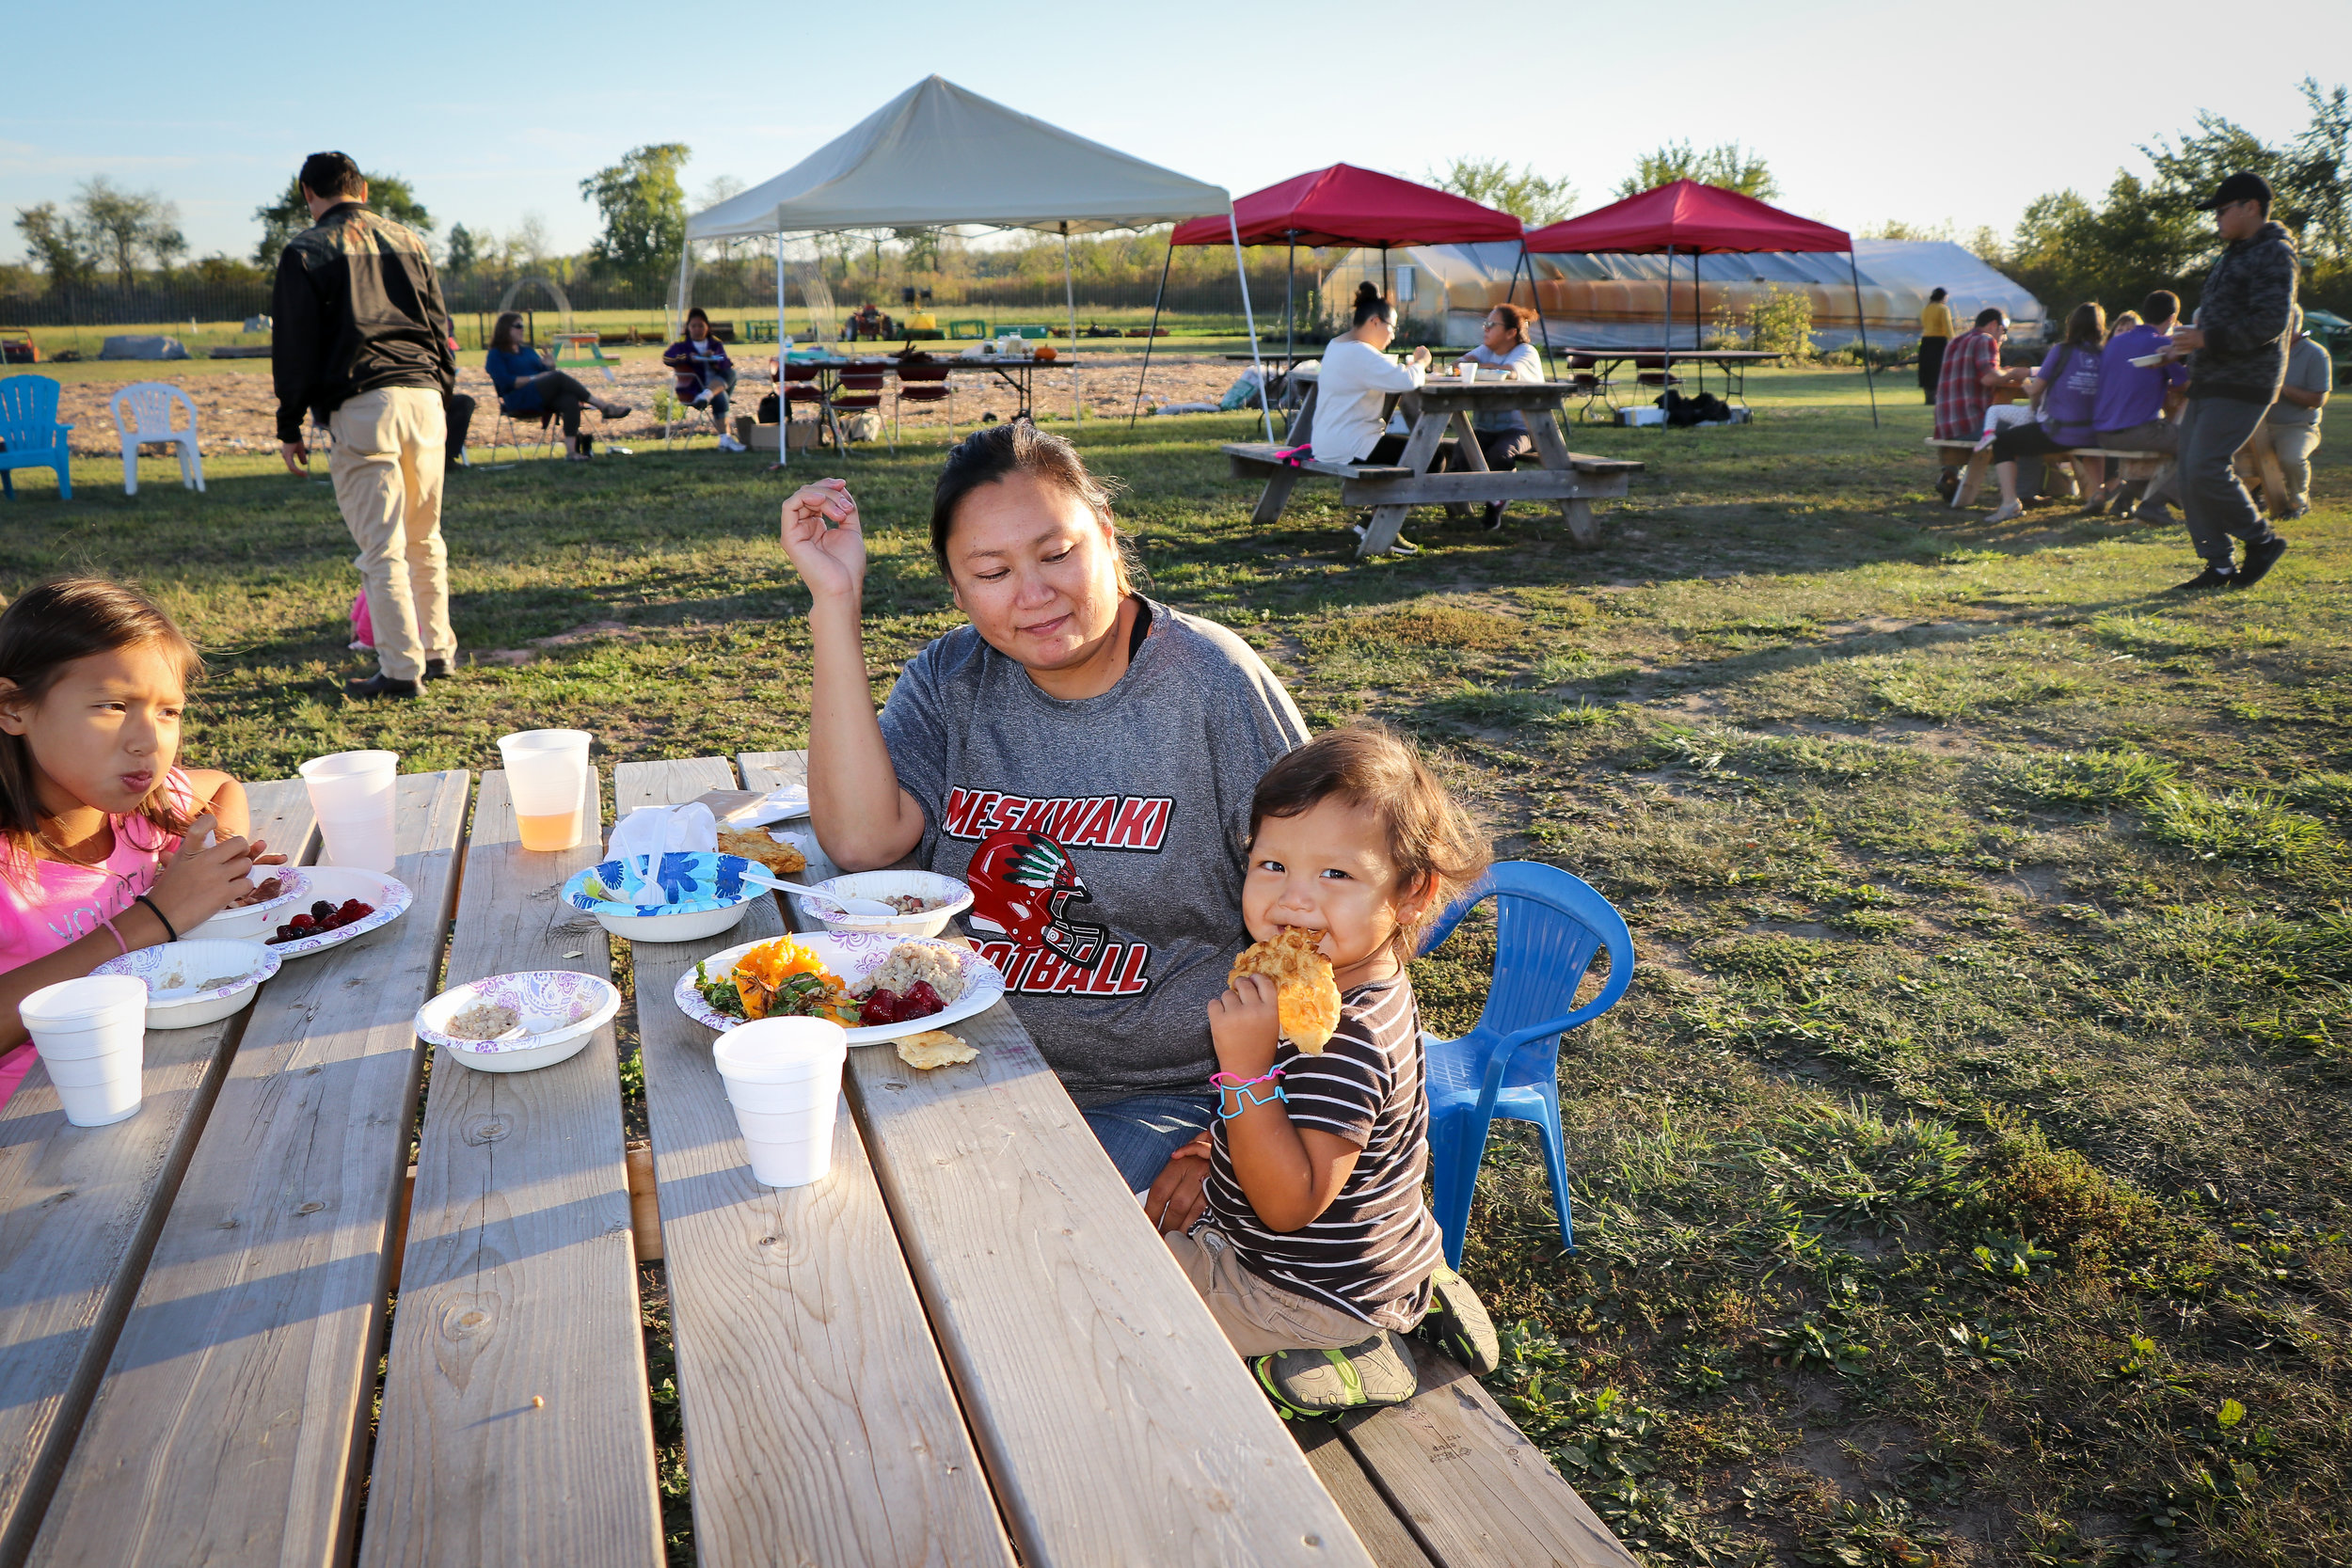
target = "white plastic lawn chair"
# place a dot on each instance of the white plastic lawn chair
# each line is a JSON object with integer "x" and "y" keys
{"x": 148, "y": 405}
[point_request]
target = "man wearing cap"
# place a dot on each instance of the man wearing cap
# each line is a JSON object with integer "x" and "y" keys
{"x": 2237, "y": 356}
{"x": 362, "y": 345}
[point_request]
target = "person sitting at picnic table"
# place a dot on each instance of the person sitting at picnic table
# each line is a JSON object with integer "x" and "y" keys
{"x": 106, "y": 841}
{"x": 1503, "y": 354}
{"x": 704, "y": 375}
{"x": 1358, "y": 376}
{"x": 2293, "y": 423}
{"x": 2065, "y": 390}
{"x": 528, "y": 386}
{"x": 1971, "y": 376}
{"x": 1316, "y": 1249}
{"x": 1081, "y": 756}
{"x": 1936, "y": 335}
{"x": 2137, "y": 404}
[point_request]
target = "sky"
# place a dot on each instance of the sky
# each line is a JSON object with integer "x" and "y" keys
{"x": 1865, "y": 112}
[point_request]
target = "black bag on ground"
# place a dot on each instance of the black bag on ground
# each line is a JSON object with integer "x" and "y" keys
{"x": 771, "y": 409}
{"x": 1707, "y": 408}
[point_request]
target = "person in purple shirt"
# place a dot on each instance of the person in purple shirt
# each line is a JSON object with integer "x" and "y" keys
{"x": 2136, "y": 401}
{"x": 2065, "y": 390}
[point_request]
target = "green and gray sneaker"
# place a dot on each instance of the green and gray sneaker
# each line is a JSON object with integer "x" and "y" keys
{"x": 1457, "y": 1323}
{"x": 1327, "y": 1383}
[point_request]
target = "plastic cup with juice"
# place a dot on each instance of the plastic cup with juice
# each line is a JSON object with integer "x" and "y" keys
{"x": 547, "y": 773}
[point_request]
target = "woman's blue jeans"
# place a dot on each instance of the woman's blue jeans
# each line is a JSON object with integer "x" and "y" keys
{"x": 1143, "y": 1131}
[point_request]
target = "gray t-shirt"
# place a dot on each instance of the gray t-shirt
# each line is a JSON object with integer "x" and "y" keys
{"x": 1521, "y": 364}
{"x": 1102, "y": 838}
{"x": 2309, "y": 369}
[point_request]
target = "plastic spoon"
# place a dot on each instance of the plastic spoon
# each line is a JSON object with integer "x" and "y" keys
{"x": 532, "y": 1026}
{"x": 865, "y": 908}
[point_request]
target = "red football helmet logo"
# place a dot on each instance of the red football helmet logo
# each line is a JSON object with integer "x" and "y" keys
{"x": 1023, "y": 885}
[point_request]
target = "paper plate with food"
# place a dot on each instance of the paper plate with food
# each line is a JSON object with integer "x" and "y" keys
{"x": 876, "y": 988}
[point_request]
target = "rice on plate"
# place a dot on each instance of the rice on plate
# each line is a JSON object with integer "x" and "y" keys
{"x": 910, "y": 962}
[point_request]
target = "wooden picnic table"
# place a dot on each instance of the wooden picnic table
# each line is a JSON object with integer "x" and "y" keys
{"x": 966, "y": 1345}
{"x": 1573, "y": 479}
{"x": 1733, "y": 362}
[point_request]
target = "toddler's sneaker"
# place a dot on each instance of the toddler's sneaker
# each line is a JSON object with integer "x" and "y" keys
{"x": 1324, "y": 1385}
{"x": 1457, "y": 1323}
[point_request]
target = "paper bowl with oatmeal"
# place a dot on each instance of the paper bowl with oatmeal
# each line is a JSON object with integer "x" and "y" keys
{"x": 925, "y": 901}
{"x": 559, "y": 1011}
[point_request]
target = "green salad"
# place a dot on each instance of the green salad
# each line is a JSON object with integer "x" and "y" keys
{"x": 720, "y": 994}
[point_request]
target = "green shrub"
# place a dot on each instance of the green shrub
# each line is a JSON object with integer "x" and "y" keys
{"x": 2102, "y": 778}
{"x": 1781, "y": 322}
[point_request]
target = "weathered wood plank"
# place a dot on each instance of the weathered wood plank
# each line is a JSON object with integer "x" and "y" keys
{"x": 1117, "y": 1424}
{"x": 224, "y": 1428}
{"x": 820, "y": 1429}
{"x": 80, "y": 1209}
{"x": 1475, "y": 1492}
{"x": 1481, "y": 486}
{"x": 1384, "y": 1535}
{"x": 515, "y": 1424}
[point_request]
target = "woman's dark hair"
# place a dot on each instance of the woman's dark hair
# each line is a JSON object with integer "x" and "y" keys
{"x": 1368, "y": 304}
{"x": 1935, "y": 296}
{"x": 46, "y": 630}
{"x": 2088, "y": 325}
{"x": 1431, "y": 840}
{"x": 697, "y": 315}
{"x": 1017, "y": 445}
{"x": 502, "y": 335}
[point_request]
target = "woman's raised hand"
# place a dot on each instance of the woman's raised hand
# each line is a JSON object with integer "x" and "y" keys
{"x": 824, "y": 539}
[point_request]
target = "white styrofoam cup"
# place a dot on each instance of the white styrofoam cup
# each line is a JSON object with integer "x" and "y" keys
{"x": 91, "y": 1035}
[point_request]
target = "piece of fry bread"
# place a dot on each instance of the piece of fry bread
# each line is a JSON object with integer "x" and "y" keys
{"x": 933, "y": 1048}
{"x": 1307, "y": 1000}
{"x": 754, "y": 844}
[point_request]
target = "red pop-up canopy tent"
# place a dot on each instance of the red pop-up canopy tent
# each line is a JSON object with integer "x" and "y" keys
{"x": 1342, "y": 205}
{"x": 1688, "y": 216}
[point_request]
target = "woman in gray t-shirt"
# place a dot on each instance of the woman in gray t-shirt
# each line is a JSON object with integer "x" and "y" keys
{"x": 1083, "y": 757}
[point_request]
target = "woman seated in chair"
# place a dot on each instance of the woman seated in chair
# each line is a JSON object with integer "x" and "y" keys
{"x": 1358, "y": 376}
{"x": 529, "y": 388}
{"x": 1503, "y": 354}
{"x": 706, "y": 376}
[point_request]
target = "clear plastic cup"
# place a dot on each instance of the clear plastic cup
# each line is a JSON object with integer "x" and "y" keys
{"x": 782, "y": 1076}
{"x": 352, "y": 795}
{"x": 547, "y": 775}
{"x": 91, "y": 1035}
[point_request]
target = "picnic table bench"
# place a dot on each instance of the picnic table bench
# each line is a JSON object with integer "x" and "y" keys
{"x": 1976, "y": 463}
{"x": 966, "y": 1345}
{"x": 1573, "y": 479}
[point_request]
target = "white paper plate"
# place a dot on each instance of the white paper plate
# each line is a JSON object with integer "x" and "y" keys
{"x": 336, "y": 883}
{"x": 585, "y": 1002}
{"x": 252, "y": 922}
{"x": 250, "y": 961}
{"x": 853, "y": 956}
{"x": 2149, "y": 361}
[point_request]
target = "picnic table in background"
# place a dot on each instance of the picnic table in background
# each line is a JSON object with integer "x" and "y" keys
{"x": 1650, "y": 366}
{"x": 1570, "y": 478}
{"x": 966, "y": 1345}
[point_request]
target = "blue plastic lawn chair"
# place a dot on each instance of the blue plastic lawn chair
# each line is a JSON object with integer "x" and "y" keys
{"x": 1548, "y": 926}
{"x": 30, "y": 435}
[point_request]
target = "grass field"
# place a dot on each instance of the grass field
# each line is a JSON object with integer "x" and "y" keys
{"x": 1963, "y": 1179}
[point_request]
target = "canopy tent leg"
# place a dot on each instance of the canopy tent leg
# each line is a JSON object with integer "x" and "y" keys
{"x": 1142, "y": 374}
{"x": 1863, "y": 327}
{"x": 1666, "y": 368}
{"x": 1542, "y": 331}
{"x": 784, "y": 448}
{"x": 1290, "y": 306}
{"x": 1249, "y": 320}
{"x": 784, "y": 453}
{"x": 1070, "y": 297}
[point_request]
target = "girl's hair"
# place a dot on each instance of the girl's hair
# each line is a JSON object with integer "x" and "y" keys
{"x": 1935, "y": 296}
{"x": 44, "y": 631}
{"x": 2087, "y": 327}
{"x": 1368, "y": 304}
{"x": 2124, "y": 322}
{"x": 1017, "y": 445}
{"x": 697, "y": 315}
{"x": 1515, "y": 317}
{"x": 1430, "y": 838}
{"x": 502, "y": 335}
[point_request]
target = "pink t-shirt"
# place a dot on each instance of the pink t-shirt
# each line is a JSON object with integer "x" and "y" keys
{"x": 62, "y": 903}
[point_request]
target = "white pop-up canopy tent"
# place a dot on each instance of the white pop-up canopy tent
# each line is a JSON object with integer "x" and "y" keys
{"x": 939, "y": 156}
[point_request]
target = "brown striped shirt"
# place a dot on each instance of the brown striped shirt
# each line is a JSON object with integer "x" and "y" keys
{"x": 1372, "y": 1252}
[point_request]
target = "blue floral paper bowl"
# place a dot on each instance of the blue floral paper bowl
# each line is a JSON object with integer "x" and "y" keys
{"x": 706, "y": 896}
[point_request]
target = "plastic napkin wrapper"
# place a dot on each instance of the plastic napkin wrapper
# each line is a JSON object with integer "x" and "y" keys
{"x": 652, "y": 832}
{"x": 747, "y": 808}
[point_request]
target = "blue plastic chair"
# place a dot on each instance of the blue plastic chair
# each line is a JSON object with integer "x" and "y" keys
{"x": 30, "y": 435}
{"x": 1548, "y": 926}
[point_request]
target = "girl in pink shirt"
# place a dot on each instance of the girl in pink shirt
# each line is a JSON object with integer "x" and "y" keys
{"x": 106, "y": 843}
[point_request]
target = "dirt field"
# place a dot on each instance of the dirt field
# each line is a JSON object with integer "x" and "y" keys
{"x": 236, "y": 409}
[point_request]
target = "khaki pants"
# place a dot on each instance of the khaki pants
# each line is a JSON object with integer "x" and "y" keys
{"x": 1259, "y": 1319}
{"x": 2295, "y": 444}
{"x": 387, "y": 468}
